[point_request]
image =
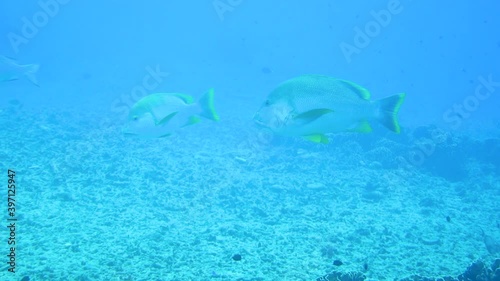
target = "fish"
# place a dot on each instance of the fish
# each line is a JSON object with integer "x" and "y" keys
{"x": 492, "y": 244}
{"x": 11, "y": 70}
{"x": 311, "y": 106}
{"x": 162, "y": 114}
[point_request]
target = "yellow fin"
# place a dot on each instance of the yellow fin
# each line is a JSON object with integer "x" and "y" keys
{"x": 360, "y": 91}
{"x": 207, "y": 105}
{"x": 363, "y": 127}
{"x": 389, "y": 108}
{"x": 318, "y": 138}
{"x": 192, "y": 120}
{"x": 186, "y": 98}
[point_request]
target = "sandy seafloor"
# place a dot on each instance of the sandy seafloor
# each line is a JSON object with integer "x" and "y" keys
{"x": 96, "y": 205}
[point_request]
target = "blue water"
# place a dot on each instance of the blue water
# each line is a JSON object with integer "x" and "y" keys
{"x": 94, "y": 204}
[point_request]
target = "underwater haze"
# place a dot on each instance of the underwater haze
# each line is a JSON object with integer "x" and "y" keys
{"x": 250, "y": 140}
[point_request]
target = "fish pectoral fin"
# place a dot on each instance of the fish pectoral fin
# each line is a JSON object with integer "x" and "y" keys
{"x": 317, "y": 138}
{"x": 312, "y": 115}
{"x": 362, "y": 127}
{"x": 8, "y": 60}
{"x": 8, "y": 78}
{"x": 166, "y": 119}
{"x": 165, "y": 135}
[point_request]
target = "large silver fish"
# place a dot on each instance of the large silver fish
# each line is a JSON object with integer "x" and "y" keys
{"x": 314, "y": 105}
{"x": 11, "y": 70}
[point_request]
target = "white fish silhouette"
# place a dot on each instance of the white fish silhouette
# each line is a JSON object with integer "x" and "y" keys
{"x": 11, "y": 70}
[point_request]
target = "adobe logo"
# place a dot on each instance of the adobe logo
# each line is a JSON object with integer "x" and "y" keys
{"x": 363, "y": 37}
{"x": 31, "y": 26}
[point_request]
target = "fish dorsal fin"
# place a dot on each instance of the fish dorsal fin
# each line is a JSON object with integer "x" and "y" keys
{"x": 312, "y": 115}
{"x": 362, "y": 127}
{"x": 166, "y": 119}
{"x": 360, "y": 91}
{"x": 186, "y": 98}
{"x": 317, "y": 138}
{"x": 8, "y": 78}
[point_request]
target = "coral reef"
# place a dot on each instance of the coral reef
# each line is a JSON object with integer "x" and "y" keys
{"x": 477, "y": 271}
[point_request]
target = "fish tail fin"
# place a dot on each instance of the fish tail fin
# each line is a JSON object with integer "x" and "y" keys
{"x": 388, "y": 111}
{"x": 207, "y": 106}
{"x": 31, "y": 70}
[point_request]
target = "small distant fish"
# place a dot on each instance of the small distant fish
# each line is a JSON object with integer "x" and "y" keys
{"x": 314, "y": 105}
{"x": 160, "y": 115}
{"x": 86, "y": 76}
{"x": 11, "y": 70}
{"x": 266, "y": 70}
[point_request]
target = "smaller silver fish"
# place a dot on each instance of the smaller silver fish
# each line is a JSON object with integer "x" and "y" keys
{"x": 162, "y": 114}
{"x": 11, "y": 70}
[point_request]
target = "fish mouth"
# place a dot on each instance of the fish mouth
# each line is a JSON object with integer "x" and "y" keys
{"x": 268, "y": 124}
{"x": 126, "y": 132}
{"x": 258, "y": 121}
{"x": 263, "y": 126}
{"x": 129, "y": 134}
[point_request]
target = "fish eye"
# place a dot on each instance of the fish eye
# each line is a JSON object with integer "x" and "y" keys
{"x": 135, "y": 117}
{"x": 267, "y": 102}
